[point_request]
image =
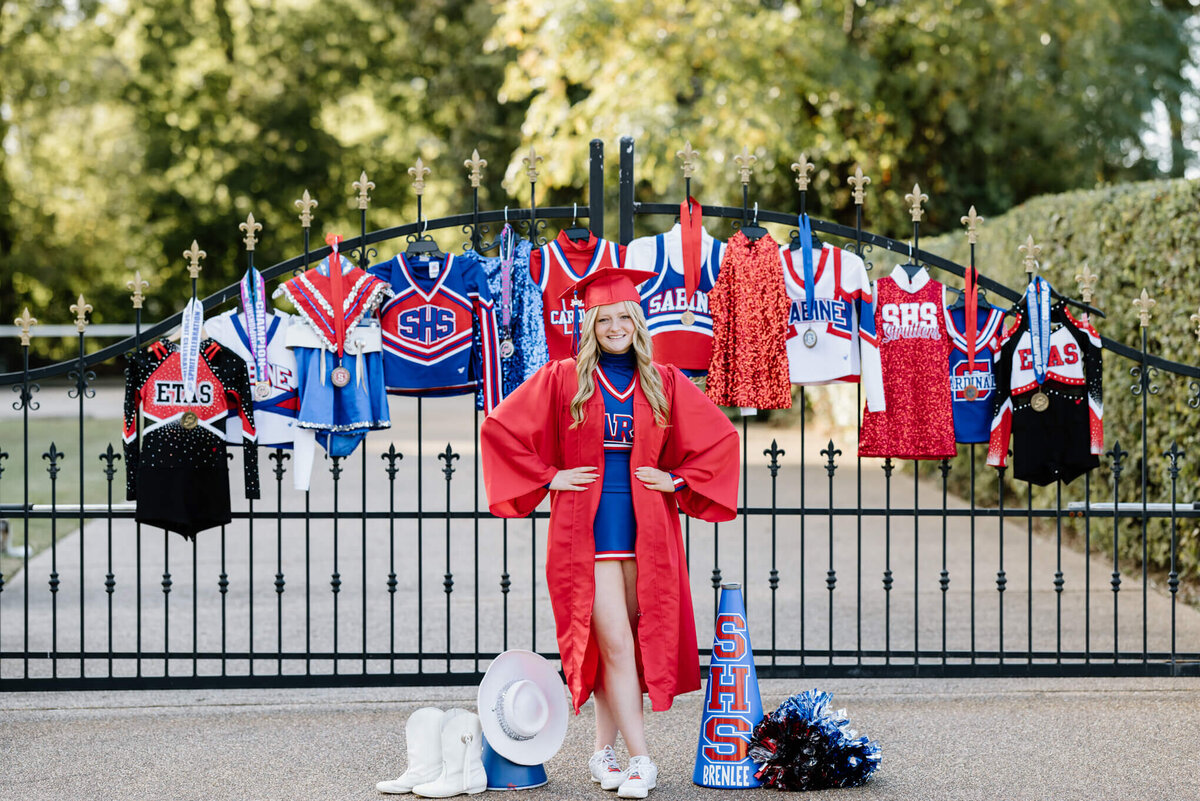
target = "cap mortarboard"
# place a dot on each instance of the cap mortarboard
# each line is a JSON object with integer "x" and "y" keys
{"x": 608, "y": 285}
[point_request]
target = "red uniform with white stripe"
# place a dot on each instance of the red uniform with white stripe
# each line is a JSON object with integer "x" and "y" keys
{"x": 555, "y": 268}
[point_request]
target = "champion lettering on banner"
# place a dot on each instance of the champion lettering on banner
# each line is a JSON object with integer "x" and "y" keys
{"x": 732, "y": 704}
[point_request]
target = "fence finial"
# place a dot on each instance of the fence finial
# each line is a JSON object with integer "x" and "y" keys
{"x": 25, "y": 321}
{"x": 306, "y": 204}
{"x": 475, "y": 165}
{"x": 136, "y": 286}
{"x": 194, "y": 255}
{"x": 1032, "y": 252}
{"x": 972, "y": 221}
{"x": 689, "y": 157}
{"x": 531, "y": 161}
{"x": 363, "y": 186}
{"x": 746, "y": 161}
{"x": 418, "y": 173}
{"x": 802, "y": 168}
{"x": 249, "y": 228}
{"x": 1195, "y": 321}
{"x": 80, "y": 309}
{"x": 1144, "y": 304}
{"x": 915, "y": 198}
{"x": 1087, "y": 283}
{"x": 859, "y": 181}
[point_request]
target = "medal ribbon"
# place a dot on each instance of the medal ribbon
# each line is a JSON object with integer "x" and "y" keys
{"x": 508, "y": 248}
{"x": 691, "y": 224}
{"x": 972, "y": 328}
{"x": 254, "y": 307}
{"x": 806, "y": 252}
{"x": 189, "y": 347}
{"x": 1037, "y": 304}
{"x": 339, "y": 302}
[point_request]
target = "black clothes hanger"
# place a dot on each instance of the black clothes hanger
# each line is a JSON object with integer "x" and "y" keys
{"x": 576, "y": 233}
{"x": 961, "y": 301}
{"x": 798, "y": 243}
{"x": 424, "y": 246}
{"x": 753, "y": 231}
{"x": 911, "y": 267}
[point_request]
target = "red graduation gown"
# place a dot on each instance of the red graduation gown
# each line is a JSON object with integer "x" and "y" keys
{"x": 528, "y": 439}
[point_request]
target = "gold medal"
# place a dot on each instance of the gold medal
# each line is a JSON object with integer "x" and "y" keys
{"x": 262, "y": 390}
{"x": 1040, "y": 401}
{"x": 971, "y": 392}
{"x": 340, "y": 376}
{"x": 189, "y": 420}
{"x": 687, "y": 318}
{"x": 810, "y": 338}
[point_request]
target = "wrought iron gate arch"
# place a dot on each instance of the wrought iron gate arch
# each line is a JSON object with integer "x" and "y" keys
{"x": 93, "y": 667}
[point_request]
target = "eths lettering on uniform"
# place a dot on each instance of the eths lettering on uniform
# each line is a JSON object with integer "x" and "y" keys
{"x": 172, "y": 392}
{"x": 1057, "y": 358}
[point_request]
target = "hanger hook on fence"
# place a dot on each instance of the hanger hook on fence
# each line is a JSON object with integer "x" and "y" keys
{"x": 506, "y": 215}
{"x": 756, "y": 212}
{"x": 574, "y": 213}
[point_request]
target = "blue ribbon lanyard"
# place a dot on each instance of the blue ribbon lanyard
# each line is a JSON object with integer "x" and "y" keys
{"x": 1037, "y": 305}
{"x": 807, "y": 255}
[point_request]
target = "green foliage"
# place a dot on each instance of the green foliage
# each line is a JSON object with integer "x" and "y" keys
{"x": 1133, "y": 236}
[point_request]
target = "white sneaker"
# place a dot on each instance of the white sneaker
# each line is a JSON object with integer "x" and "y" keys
{"x": 643, "y": 774}
{"x": 605, "y": 769}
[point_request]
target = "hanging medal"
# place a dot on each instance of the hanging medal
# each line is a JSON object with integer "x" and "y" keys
{"x": 189, "y": 357}
{"x": 1037, "y": 305}
{"x": 508, "y": 247}
{"x": 810, "y": 335}
{"x": 254, "y": 307}
{"x": 691, "y": 224}
{"x": 972, "y": 330}
{"x": 340, "y": 376}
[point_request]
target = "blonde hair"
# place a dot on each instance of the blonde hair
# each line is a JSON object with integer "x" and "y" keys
{"x": 589, "y": 356}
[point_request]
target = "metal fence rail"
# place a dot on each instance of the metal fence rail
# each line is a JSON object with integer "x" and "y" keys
{"x": 391, "y": 571}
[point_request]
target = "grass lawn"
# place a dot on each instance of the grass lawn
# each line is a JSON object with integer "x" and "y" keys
{"x": 64, "y": 434}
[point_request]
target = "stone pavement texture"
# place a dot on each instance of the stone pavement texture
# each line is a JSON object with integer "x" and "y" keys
{"x": 956, "y": 740}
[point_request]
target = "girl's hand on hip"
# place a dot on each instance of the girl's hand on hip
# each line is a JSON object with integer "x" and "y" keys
{"x": 576, "y": 479}
{"x": 655, "y": 479}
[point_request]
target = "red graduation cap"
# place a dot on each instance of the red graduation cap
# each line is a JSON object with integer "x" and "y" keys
{"x": 608, "y": 285}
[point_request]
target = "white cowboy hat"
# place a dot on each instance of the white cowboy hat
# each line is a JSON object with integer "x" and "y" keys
{"x": 523, "y": 707}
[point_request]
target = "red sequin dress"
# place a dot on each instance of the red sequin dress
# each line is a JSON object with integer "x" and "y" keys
{"x": 749, "y": 305}
{"x": 914, "y": 350}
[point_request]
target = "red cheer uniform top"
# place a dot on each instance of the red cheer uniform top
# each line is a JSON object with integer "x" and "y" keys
{"x": 555, "y": 268}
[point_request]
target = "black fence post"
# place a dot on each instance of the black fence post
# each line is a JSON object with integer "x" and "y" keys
{"x": 626, "y": 191}
{"x": 596, "y": 189}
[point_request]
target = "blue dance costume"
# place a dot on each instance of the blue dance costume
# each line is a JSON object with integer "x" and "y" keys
{"x": 615, "y": 528}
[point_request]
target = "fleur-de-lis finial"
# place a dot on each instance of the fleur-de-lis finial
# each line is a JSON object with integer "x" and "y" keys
{"x": 306, "y": 204}
{"x": 802, "y": 168}
{"x": 531, "y": 161}
{"x": 689, "y": 157}
{"x": 475, "y": 165}
{"x": 1195, "y": 318}
{"x": 418, "y": 173}
{"x": 363, "y": 186}
{"x": 1087, "y": 282}
{"x": 914, "y": 199}
{"x": 972, "y": 221}
{"x": 194, "y": 255}
{"x": 1032, "y": 253}
{"x": 136, "y": 286}
{"x": 249, "y": 227}
{"x": 859, "y": 181}
{"x": 80, "y": 309}
{"x": 746, "y": 161}
{"x": 25, "y": 321}
{"x": 1144, "y": 304}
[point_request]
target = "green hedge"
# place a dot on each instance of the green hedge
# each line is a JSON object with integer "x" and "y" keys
{"x": 1132, "y": 236}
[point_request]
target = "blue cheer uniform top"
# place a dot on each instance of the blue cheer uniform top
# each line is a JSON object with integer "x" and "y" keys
{"x": 615, "y": 527}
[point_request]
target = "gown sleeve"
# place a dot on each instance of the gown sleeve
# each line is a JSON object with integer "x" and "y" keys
{"x": 702, "y": 449}
{"x": 519, "y": 442}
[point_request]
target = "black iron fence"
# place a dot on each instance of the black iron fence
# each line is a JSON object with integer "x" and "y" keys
{"x": 850, "y": 567}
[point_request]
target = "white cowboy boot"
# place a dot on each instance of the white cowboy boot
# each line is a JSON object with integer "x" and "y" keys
{"x": 462, "y": 760}
{"x": 423, "y": 735}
